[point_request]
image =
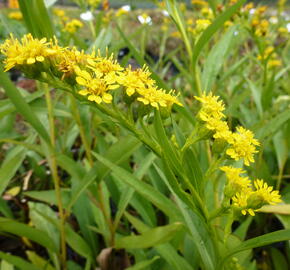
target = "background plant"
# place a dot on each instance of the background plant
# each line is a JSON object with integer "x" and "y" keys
{"x": 111, "y": 190}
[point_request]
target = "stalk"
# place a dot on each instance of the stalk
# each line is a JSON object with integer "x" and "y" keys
{"x": 55, "y": 177}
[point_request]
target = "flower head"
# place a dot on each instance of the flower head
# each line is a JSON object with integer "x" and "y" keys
{"x": 211, "y": 107}
{"x": 15, "y": 15}
{"x": 72, "y": 26}
{"x": 243, "y": 145}
{"x": 235, "y": 182}
{"x": 25, "y": 52}
{"x": 96, "y": 88}
{"x": 249, "y": 201}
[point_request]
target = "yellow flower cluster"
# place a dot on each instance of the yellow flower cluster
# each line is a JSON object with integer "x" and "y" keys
{"x": 242, "y": 144}
{"x": 270, "y": 57}
{"x": 92, "y": 75}
{"x": 244, "y": 198}
{"x": 94, "y": 3}
{"x": 250, "y": 201}
{"x": 235, "y": 182}
{"x": 26, "y": 52}
{"x": 260, "y": 26}
{"x": 15, "y": 15}
{"x": 73, "y": 25}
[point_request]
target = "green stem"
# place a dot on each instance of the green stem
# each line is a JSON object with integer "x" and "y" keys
{"x": 55, "y": 177}
{"x": 76, "y": 114}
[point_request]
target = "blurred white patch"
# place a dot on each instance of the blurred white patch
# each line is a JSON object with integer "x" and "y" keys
{"x": 236, "y": 33}
{"x": 87, "y": 16}
{"x": 274, "y": 20}
{"x": 288, "y": 27}
{"x": 165, "y": 13}
{"x": 126, "y": 8}
{"x": 252, "y": 11}
{"x": 145, "y": 19}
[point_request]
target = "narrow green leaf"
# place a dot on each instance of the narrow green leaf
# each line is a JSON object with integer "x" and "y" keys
{"x": 149, "y": 238}
{"x": 215, "y": 59}
{"x": 143, "y": 264}
{"x": 18, "y": 262}
{"x": 38, "y": 261}
{"x": 21, "y": 106}
{"x": 266, "y": 239}
{"x": 167, "y": 251}
{"x": 22, "y": 230}
{"x": 10, "y": 166}
{"x": 142, "y": 188}
{"x": 49, "y": 196}
{"x": 213, "y": 28}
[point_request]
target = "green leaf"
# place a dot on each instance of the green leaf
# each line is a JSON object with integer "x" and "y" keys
{"x": 43, "y": 218}
{"x": 6, "y": 266}
{"x": 22, "y": 230}
{"x": 118, "y": 153}
{"x": 10, "y": 166}
{"x": 147, "y": 191}
{"x": 198, "y": 231}
{"x": 77, "y": 243}
{"x": 18, "y": 262}
{"x": 167, "y": 251}
{"x": 149, "y": 238}
{"x": 279, "y": 260}
{"x": 215, "y": 59}
{"x": 272, "y": 126}
{"x": 266, "y": 239}
{"x": 128, "y": 194}
{"x": 143, "y": 264}
{"x": 38, "y": 261}
{"x": 49, "y": 196}
{"x": 21, "y": 105}
{"x": 213, "y": 28}
{"x": 36, "y": 18}
{"x": 256, "y": 93}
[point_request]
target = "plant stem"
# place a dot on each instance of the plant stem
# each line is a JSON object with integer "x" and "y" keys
{"x": 76, "y": 114}
{"x": 55, "y": 177}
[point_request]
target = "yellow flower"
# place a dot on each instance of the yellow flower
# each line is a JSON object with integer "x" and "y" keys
{"x": 261, "y": 28}
{"x": 15, "y": 15}
{"x": 265, "y": 194}
{"x": 27, "y": 52}
{"x": 73, "y": 25}
{"x": 211, "y": 107}
{"x": 243, "y": 146}
{"x": 199, "y": 2}
{"x": 220, "y": 128}
{"x": 135, "y": 80}
{"x": 94, "y": 3}
{"x": 68, "y": 58}
{"x": 274, "y": 63}
{"x": 58, "y": 12}
{"x": 201, "y": 25}
{"x": 157, "y": 97}
{"x": 250, "y": 201}
{"x": 240, "y": 201}
{"x": 96, "y": 87}
{"x": 235, "y": 182}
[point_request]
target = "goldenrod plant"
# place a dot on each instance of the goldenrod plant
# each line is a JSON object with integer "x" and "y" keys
{"x": 120, "y": 154}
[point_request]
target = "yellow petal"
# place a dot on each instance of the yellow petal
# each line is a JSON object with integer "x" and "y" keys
{"x": 130, "y": 91}
{"x": 107, "y": 98}
{"x": 81, "y": 81}
{"x": 30, "y": 61}
{"x": 85, "y": 75}
{"x": 40, "y": 58}
{"x": 83, "y": 92}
